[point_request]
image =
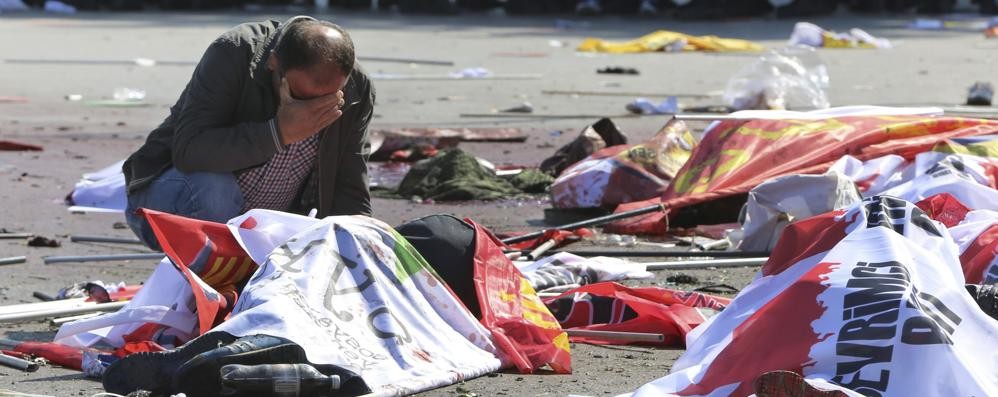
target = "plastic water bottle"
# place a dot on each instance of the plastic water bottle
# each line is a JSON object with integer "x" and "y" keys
{"x": 285, "y": 380}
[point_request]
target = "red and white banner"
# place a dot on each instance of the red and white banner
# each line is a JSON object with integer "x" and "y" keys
{"x": 621, "y": 174}
{"x": 737, "y": 155}
{"x": 869, "y": 299}
{"x": 614, "y": 307}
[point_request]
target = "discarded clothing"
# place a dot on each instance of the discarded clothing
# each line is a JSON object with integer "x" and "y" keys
{"x": 811, "y": 35}
{"x": 737, "y": 155}
{"x": 882, "y": 253}
{"x": 454, "y": 175}
{"x": 532, "y": 181}
{"x": 664, "y": 40}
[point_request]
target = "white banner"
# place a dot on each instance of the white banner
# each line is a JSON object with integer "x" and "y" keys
{"x": 871, "y": 299}
{"x": 354, "y": 293}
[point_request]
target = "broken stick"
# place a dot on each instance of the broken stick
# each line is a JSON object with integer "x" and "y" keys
{"x": 617, "y": 336}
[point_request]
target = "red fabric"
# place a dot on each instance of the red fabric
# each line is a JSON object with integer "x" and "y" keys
{"x": 754, "y": 342}
{"x": 523, "y": 327}
{"x": 561, "y": 236}
{"x": 18, "y": 147}
{"x": 979, "y": 256}
{"x": 648, "y": 310}
{"x": 739, "y": 155}
{"x": 207, "y": 250}
{"x": 55, "y": 353}
{"x": 804, "y": 239}
{"x": 130, "y": 348}
{"x": 944, "y": 208}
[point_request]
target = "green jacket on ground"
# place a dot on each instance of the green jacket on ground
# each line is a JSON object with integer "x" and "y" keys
{"x": 221, "y": 123}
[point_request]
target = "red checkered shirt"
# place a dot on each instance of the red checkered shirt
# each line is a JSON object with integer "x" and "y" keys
{"x": 276, "y": 183}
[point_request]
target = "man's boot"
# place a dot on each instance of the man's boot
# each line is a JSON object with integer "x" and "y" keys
{"x": 199, "y": 376}
{"x": 154, "y": 371}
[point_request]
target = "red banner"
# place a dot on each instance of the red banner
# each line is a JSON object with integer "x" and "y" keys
{"x": 204, "y": 252}
{"x": 522, "y": 326}
{"x": 613, "y": 307}
{"x": 735, "y": 156}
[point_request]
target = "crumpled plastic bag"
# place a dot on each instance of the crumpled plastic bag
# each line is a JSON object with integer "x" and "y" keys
{"x": 791, "y": 78}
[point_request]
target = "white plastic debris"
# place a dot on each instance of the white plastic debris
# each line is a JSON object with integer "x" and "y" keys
{"x": 791, "y": 78}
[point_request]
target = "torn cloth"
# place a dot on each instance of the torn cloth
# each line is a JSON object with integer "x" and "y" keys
{"x": 661, "y": 39}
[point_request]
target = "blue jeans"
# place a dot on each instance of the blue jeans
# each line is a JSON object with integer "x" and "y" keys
{"x": 208, "y": 196}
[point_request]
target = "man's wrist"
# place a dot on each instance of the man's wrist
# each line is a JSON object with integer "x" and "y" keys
{"x": 275, "y": 132}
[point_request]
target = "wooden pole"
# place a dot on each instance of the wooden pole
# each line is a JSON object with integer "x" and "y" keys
{"x": 617, "y": 336}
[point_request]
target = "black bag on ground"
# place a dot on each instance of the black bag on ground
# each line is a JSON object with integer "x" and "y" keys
{"x": 448, "y": 245}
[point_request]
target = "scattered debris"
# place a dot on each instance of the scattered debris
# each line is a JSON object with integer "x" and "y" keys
{"x": 41, "y": 241}
{"x": 18, "y": 147}
{"x": 644, "y": 106}
{"x": 13, "y": 99}
{"x": 811, "y": 35}
{"x": 18, "y": 363}
{"x": 791, "y": 78}
{"x": 618, "y": 70}
{"x": 525, "y": 107}
{"x": 980, "y": 94}
{"x": 666, "y": 41}
{"x": 682, "y": 278}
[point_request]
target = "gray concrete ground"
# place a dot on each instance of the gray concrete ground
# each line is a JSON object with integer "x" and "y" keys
{"x": 925, "y": 67}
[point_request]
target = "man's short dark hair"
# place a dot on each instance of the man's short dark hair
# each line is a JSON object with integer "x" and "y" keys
{"x": 302, "y": 45}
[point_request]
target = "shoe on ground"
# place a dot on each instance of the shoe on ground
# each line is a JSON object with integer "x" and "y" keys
{"x": 154, "y": 371}
{"x": 200, "y": 375}
{"x": 789, "y": 384}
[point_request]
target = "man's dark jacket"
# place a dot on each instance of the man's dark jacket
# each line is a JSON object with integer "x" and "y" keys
{"x": 221, "y": 124}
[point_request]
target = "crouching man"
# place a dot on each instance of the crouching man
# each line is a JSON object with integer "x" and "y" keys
{"x": 275, "y": 116}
